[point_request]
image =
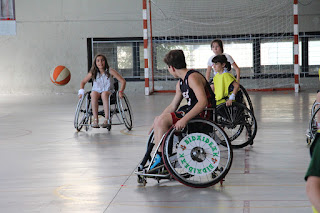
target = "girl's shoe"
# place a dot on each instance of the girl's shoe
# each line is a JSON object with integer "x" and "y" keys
{"x": 95, "y": 124}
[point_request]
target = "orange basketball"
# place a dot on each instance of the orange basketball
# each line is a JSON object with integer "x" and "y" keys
{"x": 60, "y": 75}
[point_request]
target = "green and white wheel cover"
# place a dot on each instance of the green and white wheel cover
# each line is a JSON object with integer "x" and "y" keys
{"x": 198, "y": 154}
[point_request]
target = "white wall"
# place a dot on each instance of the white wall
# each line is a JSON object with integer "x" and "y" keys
{"x": 51, "y": 33}
{"x": 55, "y": 32}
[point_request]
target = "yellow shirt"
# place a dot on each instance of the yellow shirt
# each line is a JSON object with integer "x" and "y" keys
{"x": 314, "y": 210}
{"x": 221, "y": 86}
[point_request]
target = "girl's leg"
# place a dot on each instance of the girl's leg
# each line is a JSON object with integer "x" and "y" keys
{"x": 94, "y": 102}
{"x": 105, "y": 100}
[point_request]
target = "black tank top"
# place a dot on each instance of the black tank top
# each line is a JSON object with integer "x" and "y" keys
{"x": 188, "y": 93}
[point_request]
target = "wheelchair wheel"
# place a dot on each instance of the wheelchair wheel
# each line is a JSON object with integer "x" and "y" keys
{"x": 246, "y": 99}
{"x": 125, "y": 111}
{"x": 238, "y": 122}
{"x": 314, "y": 120}
{"x": 196, "y": 156}
{"x": 82, "y": 116}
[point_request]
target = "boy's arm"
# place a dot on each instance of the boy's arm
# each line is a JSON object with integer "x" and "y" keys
{"x": 197, "y": 85}
{"x": 119, "y": 78}
{"x": 232, "y": 97}
{"x": 208, "y": 73}
{"x": 235, "y": 66}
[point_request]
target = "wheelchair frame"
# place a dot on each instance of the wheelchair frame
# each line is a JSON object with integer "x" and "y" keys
{"x": 117, "y": 105}
{"x": 196, "y": 157}
{"x": 312, "y": 130}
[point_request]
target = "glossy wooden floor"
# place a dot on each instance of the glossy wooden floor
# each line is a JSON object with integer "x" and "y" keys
{"x": 47, "y": 166}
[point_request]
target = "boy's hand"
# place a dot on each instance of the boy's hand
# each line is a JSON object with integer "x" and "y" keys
{"x": 229, "y": 102}
{"x": 80, "y": 93}
{"x": 180, "y": 125}
{"x": 121, "y": 94}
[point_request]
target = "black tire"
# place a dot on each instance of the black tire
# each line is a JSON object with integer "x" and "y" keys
{"x": 200, "y": 163}
{"x": 238, "y": 122}
{"x": 313, "y": 122}
{"x": 81, "y": 115}
{"x": 125, "y": 111}
{"x": 246, "y": 99}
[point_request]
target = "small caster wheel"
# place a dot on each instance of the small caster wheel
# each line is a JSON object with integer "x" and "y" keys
{"x": 109, "y": 127}
{"x": 144, "y": 182}
{"x": 140, "y": 179}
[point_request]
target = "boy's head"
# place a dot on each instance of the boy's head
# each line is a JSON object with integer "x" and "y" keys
{"x": 223, "y": 60}
{"x": 217, "y": 46}
{"x": 97, "y": 59}
{"x": 176, "y": 59}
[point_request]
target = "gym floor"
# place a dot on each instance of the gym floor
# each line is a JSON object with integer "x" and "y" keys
{"x": 47, "y": 166}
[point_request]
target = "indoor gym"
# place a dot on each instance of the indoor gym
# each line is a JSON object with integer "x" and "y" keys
{"x": 47, "y": 166}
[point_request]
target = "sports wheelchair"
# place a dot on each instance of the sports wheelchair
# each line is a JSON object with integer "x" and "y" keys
{"x": 198, "y": 156}
{"x": 119, "y": 107}
{"x": 238, "y": 120}
{"x": 312, "y": 130}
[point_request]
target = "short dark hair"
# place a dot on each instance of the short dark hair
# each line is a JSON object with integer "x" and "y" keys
{"x": 219, "y": 42}
{"x": 176, "y": 59}
{"x": 223, "y": 60}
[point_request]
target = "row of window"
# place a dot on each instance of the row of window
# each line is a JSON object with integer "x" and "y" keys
{"x": 128, "y": 55}
{"x": 7, "y": 10}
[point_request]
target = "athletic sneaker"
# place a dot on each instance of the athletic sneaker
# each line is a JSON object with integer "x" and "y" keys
{"x": 157, "y": 161}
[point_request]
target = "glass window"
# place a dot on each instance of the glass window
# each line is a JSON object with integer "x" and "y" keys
{"x": 125, "y": 57}
{"x": 7, "y": 10}
{"x": 240, "y": 52}
{"x": 314, "y": 52}
{"x": 277, "y": 53}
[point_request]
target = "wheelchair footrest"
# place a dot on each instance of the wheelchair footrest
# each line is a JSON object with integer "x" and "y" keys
{"x": 166, "y": 176}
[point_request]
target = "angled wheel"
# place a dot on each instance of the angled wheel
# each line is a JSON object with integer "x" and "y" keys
{"x": 246, "y": 99}
{"x": 125, "y": 111}
{"x": 314, "y": 120}
{"x": 238, "y": 122}
{"x": 82, "y": 114}
{"x": 196, "y": 156}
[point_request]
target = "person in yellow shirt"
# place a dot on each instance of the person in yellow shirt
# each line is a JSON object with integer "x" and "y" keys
{"x": 223, "y": 80}
{"x": 313, "y": 174}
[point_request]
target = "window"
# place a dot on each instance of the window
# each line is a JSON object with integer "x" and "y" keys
{"x": 122, "y": 56}
{"x": 7, "y": 10}
{"x": 7, "y": 17}
{"x": 314, "y": 52}
{"x": 241, "y": 52}
{"x": 277, "y": 53}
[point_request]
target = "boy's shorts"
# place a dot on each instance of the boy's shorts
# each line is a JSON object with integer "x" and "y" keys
{"x": 180, "y": 114}
{"x": 177, "y": 116}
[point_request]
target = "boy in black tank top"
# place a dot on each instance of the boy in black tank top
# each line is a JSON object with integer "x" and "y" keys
{"x": 194, "y": 87}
